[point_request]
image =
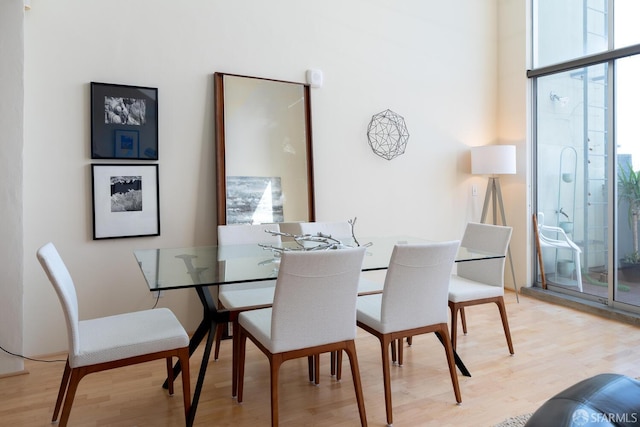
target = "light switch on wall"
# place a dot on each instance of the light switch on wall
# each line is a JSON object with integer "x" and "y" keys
{"x": 474, "y": 190}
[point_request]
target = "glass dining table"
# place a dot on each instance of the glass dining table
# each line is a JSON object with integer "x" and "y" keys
{"x": 201, "y": 267}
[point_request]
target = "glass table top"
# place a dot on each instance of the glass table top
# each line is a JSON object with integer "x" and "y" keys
{"x": 175, "y": 268}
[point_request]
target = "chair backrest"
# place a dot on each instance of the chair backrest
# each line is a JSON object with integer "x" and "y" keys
{"x": 416, "y": 287}
{"x": 315, "y": 298}
{"x": 555, "y": 237}
{"x": 548, "y": 234}
{"x": 292, "y": 228}
{"x": 335, "y": 229}
{"x": 540, "y": 218}
{"x": 490, "y": 238}
{"x": 62, "y": 282}
{"x": 246, "y": 234}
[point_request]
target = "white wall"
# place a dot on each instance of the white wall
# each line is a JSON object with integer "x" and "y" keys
{"x": 11, "y": 140}
{"x": 435, "y": 63}
{"x": 512, "y": 129}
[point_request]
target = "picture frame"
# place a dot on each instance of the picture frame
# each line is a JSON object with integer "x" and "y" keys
{"x": 124, "y": 122}
{"x": 126, "y": 200}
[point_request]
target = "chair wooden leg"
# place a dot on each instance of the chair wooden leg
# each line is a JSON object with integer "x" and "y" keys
{"x": 448, "y": 348}
{"x": 71, "y": 379}
{"x": 385, "y": 341}
{"x": 316, "y": 362}
{"x": 314, "y": 367}
{"x": 334, "y": 356}
{"x": 311, "y": 368}
{"x": 463, "y": 318}
{"x": 400, "y": 352}
{"x": 64, "y": 384}
{"x": 409, "y": 340}
{"x": 219, "y": 331}
{"x": 336, "y": 364}
{"x": 170, "y": 377}
{"x": 394, "y": 356}
{"x": 505, "y": 323}
{"x": 357, "y": 383}
{"x": 75, "y": 377}
{"x": 454, "y": 323}
{"x": 275, "y": 360}
{"x": 234, "y": 358}
{"x": 242, "y": 346}
{"x": 183, "y": 356}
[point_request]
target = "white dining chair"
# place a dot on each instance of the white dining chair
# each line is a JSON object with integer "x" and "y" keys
{"x": 413, "y": 302}
{"x": 480, "y": 282}
{"x": 243, "y": 296}
{"x": 291, "y": 228}
{"x": 110, "y": 342}
{"x": 341, "y": 230}
{"x": 313, "y": 288}
{"x": 369, "y": 282}
{"x": 556, "y": 238}
{"x": 335, "y": 229}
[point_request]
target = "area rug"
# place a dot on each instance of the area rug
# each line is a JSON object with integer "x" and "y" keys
{"x": 518, "y": 421}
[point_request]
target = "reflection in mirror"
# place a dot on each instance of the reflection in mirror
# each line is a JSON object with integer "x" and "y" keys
{"x": 263, "y": 150}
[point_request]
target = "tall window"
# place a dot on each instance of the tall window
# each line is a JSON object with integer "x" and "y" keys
{"x": 586, "y": 61}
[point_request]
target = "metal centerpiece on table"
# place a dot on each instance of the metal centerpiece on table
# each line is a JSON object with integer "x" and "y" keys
{"x": 313, "y": 242}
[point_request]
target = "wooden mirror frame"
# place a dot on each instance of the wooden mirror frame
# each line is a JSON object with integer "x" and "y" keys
{"x": 220, "y": 145}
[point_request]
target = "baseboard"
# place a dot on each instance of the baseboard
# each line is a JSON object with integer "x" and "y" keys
{"x": 14, "y": 374}
{"x": 591, "y": 307}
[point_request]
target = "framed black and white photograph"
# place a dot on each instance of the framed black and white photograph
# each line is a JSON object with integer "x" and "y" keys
{"x": 126, "y": 200}
{"x": 254, "y": 199}
{"x": 127, "y": 144}
{"x": 124, "y": 122}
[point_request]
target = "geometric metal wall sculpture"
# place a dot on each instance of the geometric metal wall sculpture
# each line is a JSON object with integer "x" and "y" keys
{"x": 388, "y": 135}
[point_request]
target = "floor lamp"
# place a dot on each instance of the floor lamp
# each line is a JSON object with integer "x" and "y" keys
{"x": 495, "y": 160}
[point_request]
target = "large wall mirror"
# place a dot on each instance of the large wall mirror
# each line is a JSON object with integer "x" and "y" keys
{"x": 263, "y": 150}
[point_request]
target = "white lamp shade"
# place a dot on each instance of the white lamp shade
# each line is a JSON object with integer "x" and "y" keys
{"x": 493, "y": 160}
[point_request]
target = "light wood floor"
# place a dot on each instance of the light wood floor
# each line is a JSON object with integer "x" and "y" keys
{"x": 555, "y": 347}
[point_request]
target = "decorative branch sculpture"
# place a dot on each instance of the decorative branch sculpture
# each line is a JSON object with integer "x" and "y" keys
{"x": 321, "y": 241}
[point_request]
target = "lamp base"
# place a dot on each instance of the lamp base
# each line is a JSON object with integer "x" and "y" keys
{"x": 494, "y": 196}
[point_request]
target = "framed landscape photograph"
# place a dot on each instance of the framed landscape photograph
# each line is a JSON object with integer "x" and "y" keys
{"x": 253, "y": 199}
{"x": 126, "y": 200}
{"x": 124, "y": 122}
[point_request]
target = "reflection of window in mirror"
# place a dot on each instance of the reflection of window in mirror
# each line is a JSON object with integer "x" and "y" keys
{"x": 264, "y": 150}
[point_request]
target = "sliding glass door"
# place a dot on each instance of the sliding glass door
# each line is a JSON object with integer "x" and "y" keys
{"x": 587, "y": 148}
{"x": 627, "y": 136}
{"x": 573, "y": 179}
